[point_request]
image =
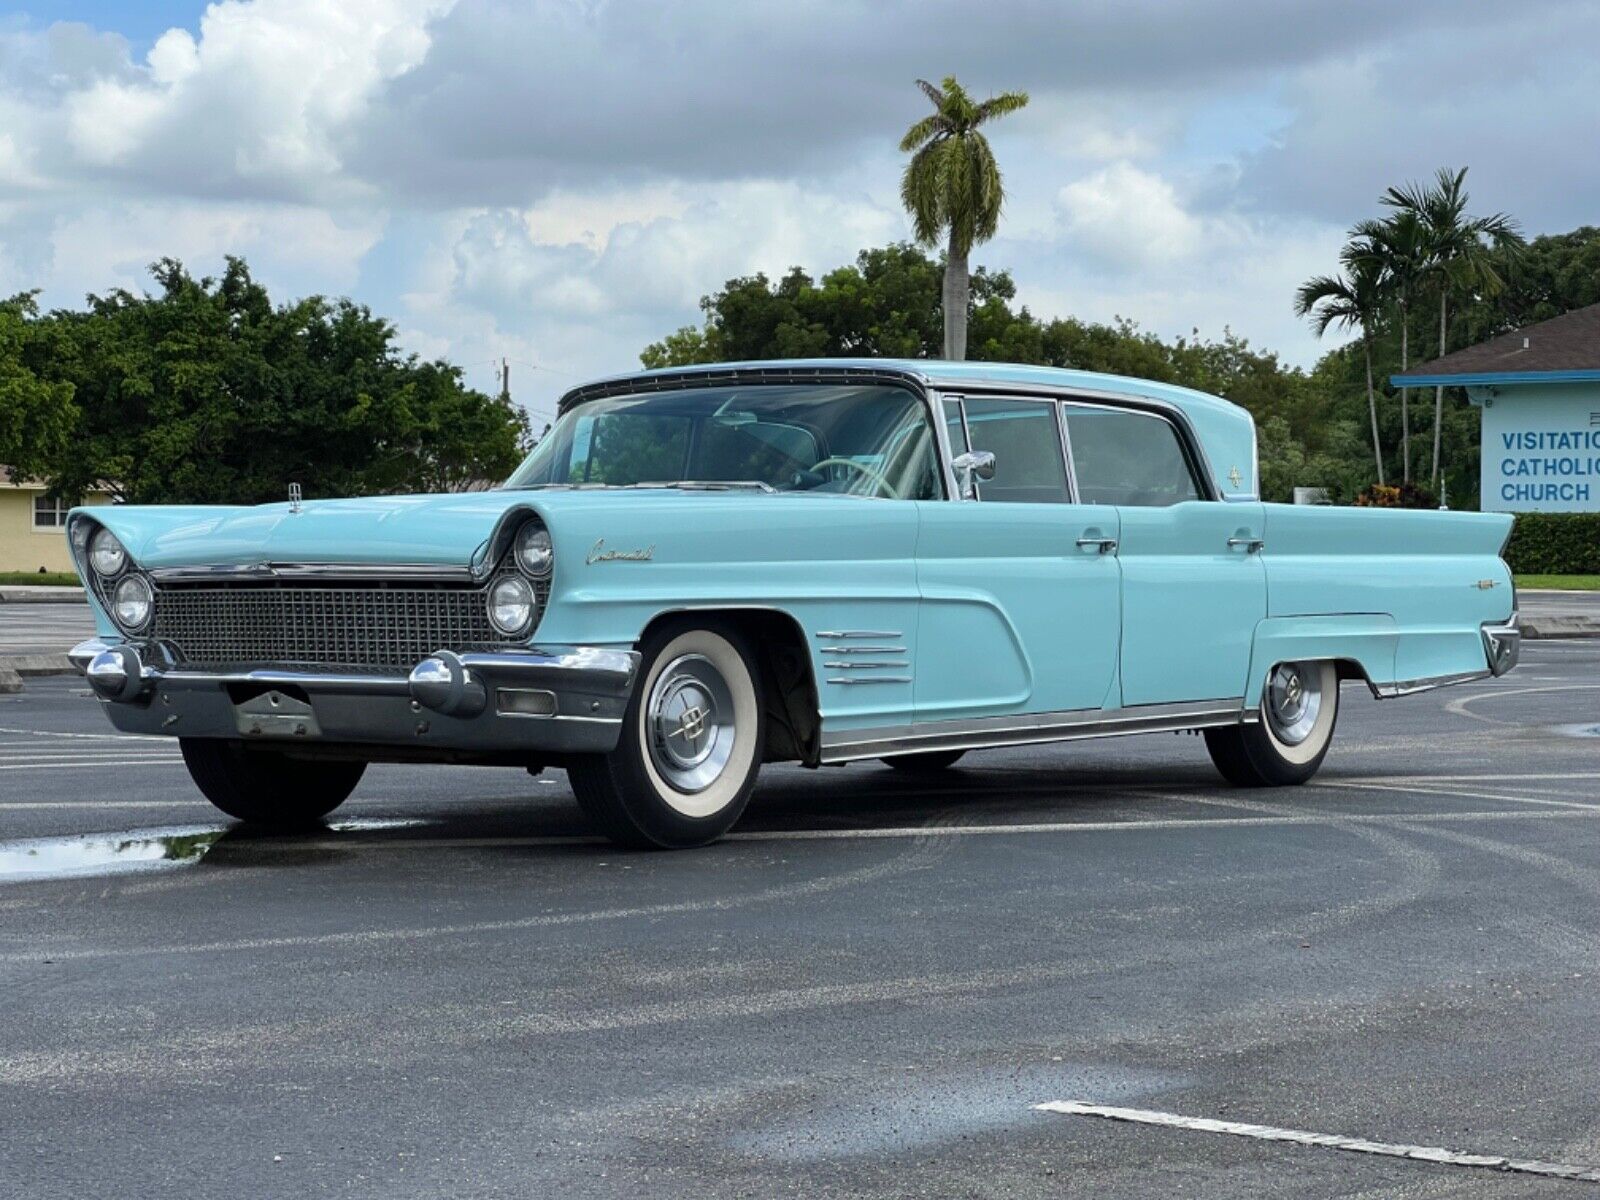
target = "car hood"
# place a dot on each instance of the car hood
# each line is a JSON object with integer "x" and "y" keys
{"x": 446, "y": 530}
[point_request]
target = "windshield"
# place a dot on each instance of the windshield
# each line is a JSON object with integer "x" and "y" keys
{"x": 851, "y": 439}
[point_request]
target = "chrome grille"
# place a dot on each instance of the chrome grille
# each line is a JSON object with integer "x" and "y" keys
{"x": 378, "y": 627}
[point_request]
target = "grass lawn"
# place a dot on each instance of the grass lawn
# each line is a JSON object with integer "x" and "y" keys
{"x": 1571, "y": 583}
{"x": 52, "y": 579}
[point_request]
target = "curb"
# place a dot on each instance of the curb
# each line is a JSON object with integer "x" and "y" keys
{"x": 42, "y": 595}
{"x": 1539, "y": 628}
{"x": 14, "y": 668}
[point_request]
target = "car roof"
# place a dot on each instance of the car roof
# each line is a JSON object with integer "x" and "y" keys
{"x": 938, "y": 373}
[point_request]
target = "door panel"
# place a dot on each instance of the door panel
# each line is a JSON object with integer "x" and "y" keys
{"x": 1190, "y": 600}
{"x": 1016, "y": 617}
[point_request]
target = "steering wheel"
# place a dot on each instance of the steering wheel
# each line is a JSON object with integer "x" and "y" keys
{"x": 872, "y": 473}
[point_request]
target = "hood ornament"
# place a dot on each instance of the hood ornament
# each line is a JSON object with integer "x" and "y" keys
{"x": 294, "y": 498}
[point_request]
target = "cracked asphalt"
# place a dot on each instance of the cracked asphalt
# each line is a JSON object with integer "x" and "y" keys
{"x": 455, "y": 991}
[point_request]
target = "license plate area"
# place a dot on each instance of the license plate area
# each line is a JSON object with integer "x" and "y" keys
{"x": 274, "y": 714}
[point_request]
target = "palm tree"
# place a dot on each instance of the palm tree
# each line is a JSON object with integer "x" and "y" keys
{"x": 1462, "y": 254}
{"x": 1398, "y": 247}
{"x": 952, "y": 184}
{"x": 1354, "y": 298}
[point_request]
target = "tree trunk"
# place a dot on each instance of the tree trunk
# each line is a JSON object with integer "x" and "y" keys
{"x": 1438, "y": 392}
{"x": 1372, "y": 405}
{"x": 957, "y": 287}
{"x": 1405, "y": 394}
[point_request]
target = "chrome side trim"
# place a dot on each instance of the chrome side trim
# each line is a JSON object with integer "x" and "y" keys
{"x": 863, "y": 649}
{"x": 1026, "y": 729}
{"x": 857, "y": 633}
{"x": 848, "y": 679}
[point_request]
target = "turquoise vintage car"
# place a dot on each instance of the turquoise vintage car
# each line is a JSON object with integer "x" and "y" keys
{"x": 699, "y": 571}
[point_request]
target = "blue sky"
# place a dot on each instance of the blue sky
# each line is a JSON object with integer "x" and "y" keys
{"x": 559, "y": 181}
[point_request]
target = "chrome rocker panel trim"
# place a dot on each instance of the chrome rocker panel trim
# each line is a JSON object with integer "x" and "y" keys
{"x": 1026, "y": 729}
{"x": 459, "y": 703}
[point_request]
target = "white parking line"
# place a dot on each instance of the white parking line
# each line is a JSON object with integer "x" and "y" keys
{"x": 1410, "y": 789}
{"x": 1332, "y": 1141}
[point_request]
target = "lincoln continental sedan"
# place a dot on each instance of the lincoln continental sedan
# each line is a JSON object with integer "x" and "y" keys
{"x": 700, "y": 571}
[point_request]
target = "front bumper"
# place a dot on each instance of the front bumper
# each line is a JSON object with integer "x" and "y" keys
{"x": 507, "y": 705}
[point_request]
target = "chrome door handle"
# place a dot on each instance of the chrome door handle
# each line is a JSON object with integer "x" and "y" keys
{"x": 1104, "y": 544}
{"x": 1250, "y": 544}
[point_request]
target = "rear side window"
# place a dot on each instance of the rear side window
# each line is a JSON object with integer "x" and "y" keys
{"x": 1028, "y": 464}
{"x": 1129, "y": 458}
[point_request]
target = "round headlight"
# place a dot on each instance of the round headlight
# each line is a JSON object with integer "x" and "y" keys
{"x": 131, "y": 602}
{"x": 535, "y": 555}
{"x": 511, "y": 604}
{"x": 107, "y": 554}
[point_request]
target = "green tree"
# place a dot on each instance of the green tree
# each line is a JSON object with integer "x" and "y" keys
{"x": 37, "y": 416}
{"x": 952, "y": 185}
{"x": 1351, "y": 300}
{"x": 1398, "y": 248}
{"x": 208, "y": 392}
{"x": 1464, "y": 256}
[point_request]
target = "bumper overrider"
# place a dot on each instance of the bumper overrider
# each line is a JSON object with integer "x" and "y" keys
{"x": 540, "y": 701}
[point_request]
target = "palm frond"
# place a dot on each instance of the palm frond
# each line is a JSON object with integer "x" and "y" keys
{"x": 932, "y": 126}
{"x": 932, "y": 93}
{"x": 999, "y": 106}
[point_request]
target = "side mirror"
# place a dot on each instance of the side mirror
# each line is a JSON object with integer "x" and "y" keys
{"x": 970, "y": 467}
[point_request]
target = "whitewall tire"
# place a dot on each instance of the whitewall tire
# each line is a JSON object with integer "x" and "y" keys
{"x": 1290, "y": 738}
{"x": 691, "y": 744}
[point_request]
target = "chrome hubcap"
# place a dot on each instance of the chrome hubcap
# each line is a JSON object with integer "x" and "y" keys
{"x": 690, "y": 723}
{"x": 1293, "y": 700}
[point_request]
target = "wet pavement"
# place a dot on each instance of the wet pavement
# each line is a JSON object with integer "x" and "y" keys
{"x": 455, "y": 990}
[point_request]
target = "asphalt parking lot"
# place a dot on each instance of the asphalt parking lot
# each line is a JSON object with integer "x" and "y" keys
{"x": 457, "y": 992}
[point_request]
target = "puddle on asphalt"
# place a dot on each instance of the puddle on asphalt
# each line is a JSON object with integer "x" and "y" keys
{"x": 1579, "y": 731}
{"x": 94, "y": 854}
{"x": 927, "y": 1108}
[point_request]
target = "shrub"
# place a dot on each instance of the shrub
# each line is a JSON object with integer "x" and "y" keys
{"x": 1555, "y": 544}
{"x": 1404, "y": 495}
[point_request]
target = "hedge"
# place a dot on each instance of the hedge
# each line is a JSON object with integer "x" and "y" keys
{"x": 1555, "y": 544}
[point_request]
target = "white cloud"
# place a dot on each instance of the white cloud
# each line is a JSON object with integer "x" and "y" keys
{"x": 1129, "y": 217}
{"x": 257, "y": 104}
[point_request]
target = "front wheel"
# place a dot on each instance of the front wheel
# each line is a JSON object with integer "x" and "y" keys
{"x": 1299, "y": 707}
{"x": 691, "y": 743}
{"x": 266, "y": 787}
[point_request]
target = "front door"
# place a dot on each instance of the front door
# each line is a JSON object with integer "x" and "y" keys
{"x": 1193, "y": 584}
{"x": 1019, "y": 591}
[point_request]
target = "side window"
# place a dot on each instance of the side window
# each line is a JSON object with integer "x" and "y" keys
{"x": 1128, "y": 458}
{"x": 1028, "y": 464}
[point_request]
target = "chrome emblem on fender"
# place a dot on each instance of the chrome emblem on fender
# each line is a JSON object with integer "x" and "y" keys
{"x": 599, "y": 554}
{"x": 1234, "y": 477}
{"x": 1483, "y": 585}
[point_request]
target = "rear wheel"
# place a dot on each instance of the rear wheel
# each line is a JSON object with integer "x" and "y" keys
{"x": 1299, "y": 707}
{"x": 927, "y": 762}
{"x": 691, "y": 743}
{"x": 266, "y": 787}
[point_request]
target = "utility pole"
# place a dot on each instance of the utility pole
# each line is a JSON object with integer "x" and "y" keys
{"x": 505, "y": 380}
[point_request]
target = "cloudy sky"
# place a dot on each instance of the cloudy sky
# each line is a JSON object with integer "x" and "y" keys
{"x": 559, "y": 181}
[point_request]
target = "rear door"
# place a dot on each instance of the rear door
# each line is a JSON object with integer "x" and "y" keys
{"x": 1193, "y": 584}
{"x": 1020, "y": 595}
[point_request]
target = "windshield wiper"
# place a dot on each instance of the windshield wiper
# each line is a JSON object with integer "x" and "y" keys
{"x": 711, "y": 485}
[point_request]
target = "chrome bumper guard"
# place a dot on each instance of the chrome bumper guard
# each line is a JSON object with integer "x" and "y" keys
{"x": 1503, "y": 644}
{"x": 552, "y": 699}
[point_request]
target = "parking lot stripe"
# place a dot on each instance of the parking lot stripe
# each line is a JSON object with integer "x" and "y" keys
{"x": 1273, "y": 1133}
{"x": 1410, "y": 789}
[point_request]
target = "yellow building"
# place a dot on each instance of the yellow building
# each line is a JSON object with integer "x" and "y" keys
{"x": 33, "y": 528}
